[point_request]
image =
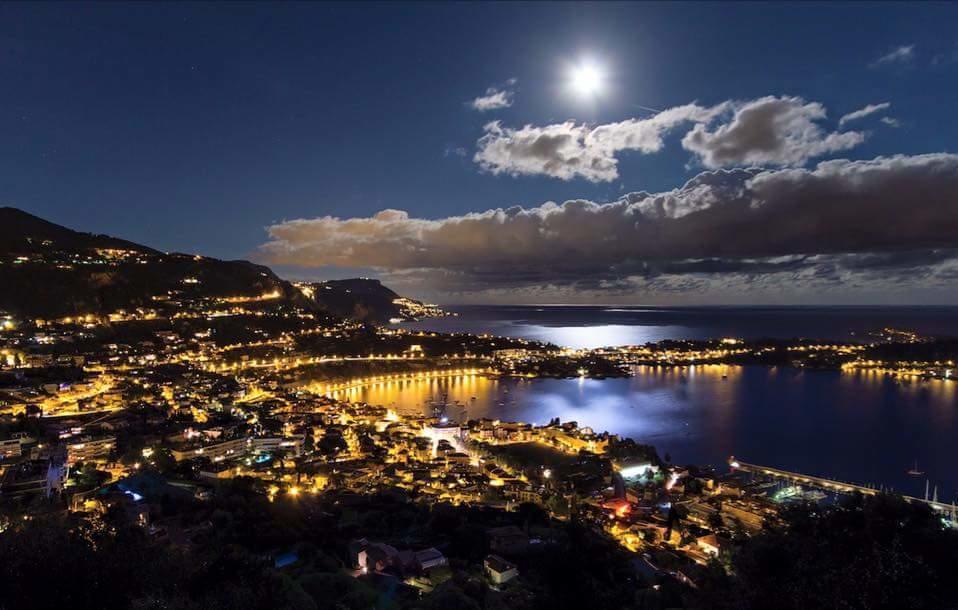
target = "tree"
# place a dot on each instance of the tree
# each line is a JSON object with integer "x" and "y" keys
{"x": 876, "y": 552}
{"x": 162, "y": 459}
{"x": 333, "y": 591}
{"x": 532, "y": 515}
{"x": 557, "y": 505}
{"x": 447, "y": 596}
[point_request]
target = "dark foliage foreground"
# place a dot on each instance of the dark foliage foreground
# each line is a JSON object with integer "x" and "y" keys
{"x": 868, "y": 553}
{"x": 873, "y": 553}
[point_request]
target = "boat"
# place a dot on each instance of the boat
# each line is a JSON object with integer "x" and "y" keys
{"x": 913, "y": 471}
{"x": 439, "y": 406}
{"x": 815, "y": 495}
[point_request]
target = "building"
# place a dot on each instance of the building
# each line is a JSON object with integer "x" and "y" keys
{"x": 711, "y": 544}
{"x": 238, "y": 447}
{"x": 90, "y": 449}
{"x": 430, "y": 558}
{"x": 356, "y": 552}
{"x": 292, "y": 444}
{"x": 636, "y": 469}
{"x": 508, "y": 539}
{"x": 451, "y": 433}
{"x": 743, "y": 514}
{"x": 575, "y": 443}
{"x": 701, "y": 513}
{"x": 10, "y": 448}
{"x": 499, "y": 570}
{"x": 214, "y": 451}
{"x": 457, "y": 459}
{"x": 380, "y": 556}
{"x": 45, "y": 477}
{"x": 217, "y": 471}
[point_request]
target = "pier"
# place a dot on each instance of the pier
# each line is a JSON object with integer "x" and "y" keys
{"x": 946, "y": 510}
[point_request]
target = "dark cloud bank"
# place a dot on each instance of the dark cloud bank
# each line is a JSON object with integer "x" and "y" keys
{"x": 859, "y": 224}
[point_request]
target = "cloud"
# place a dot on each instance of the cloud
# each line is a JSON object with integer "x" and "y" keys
{"x": 891, "y": 121}
{"x": 863, "y": 112}
{"x": 495, "y": 98}
{"x": 837, "y": 221}
{"x": 569, "y": 150}
{"x": 769, "y": 131}
{"x": 900, "y": 55}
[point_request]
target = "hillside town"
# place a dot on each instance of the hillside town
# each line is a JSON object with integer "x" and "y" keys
{"x": 478, "y": 305}
{"x": 115, "y": 415}
{"x": 200, "y": 417}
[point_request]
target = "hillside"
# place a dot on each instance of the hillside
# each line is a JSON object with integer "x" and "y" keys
{"x": 25, "y": 234}
{"x": 365, "y": 299}
{"x": 49, "y": 271}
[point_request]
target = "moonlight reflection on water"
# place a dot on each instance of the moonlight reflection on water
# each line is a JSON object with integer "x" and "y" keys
{"x": 859, "y": 427}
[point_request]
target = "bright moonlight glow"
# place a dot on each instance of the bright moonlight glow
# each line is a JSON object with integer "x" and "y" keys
{"x": 586, "y": 79}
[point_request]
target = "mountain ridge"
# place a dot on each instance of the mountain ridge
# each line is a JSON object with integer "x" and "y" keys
{"x": 51, "y": 271}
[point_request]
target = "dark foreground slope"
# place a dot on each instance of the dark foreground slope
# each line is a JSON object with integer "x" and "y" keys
{"x": 875, "y": 553}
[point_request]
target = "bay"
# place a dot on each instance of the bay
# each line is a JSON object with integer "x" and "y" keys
{"x": 861, "y": 427}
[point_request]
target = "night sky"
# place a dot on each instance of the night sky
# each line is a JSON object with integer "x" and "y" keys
{"x": 675, "y": 153}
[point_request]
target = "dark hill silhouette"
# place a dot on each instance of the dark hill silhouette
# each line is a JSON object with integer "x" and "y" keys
{"x": 23, "y": 233}
{"x": 358, "y": 298}
{"x": 50, "y": 271}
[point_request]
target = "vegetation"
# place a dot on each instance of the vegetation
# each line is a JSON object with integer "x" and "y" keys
{"x": 875, "y": 552}
{"x": 56, "y": 561}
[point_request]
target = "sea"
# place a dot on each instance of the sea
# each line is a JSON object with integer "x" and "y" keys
{"x": 860, "y": 427}
{"x": 599, "y": 326}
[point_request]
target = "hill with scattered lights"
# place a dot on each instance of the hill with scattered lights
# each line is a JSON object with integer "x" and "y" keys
{"x": 366, "y": 299}
{"x": 48, "y": 271}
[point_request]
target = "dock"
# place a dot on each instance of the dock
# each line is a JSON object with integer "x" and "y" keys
{"x": 806, "y": 480}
